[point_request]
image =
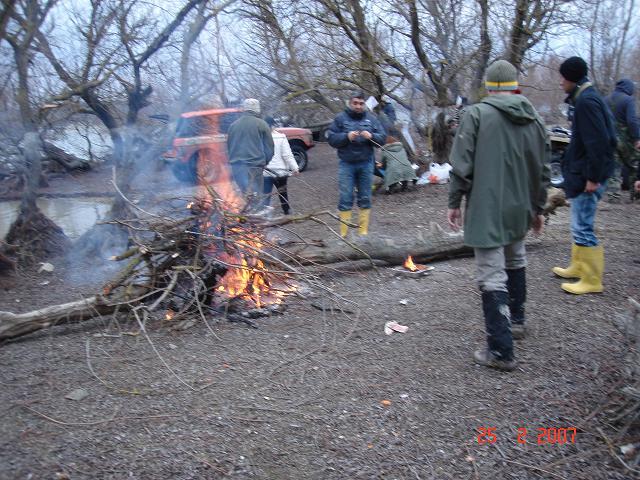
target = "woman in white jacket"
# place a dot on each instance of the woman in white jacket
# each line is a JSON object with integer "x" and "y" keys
{"x": 281, "y": 166}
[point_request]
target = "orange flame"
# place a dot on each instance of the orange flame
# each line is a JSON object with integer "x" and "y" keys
{"x": 247, "y": 277}
{"x": 214, "y": 180}
{"x": 409, "y": 265}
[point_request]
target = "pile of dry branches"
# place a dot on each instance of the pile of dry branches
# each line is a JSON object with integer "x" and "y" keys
{"x": 197, "y": 262}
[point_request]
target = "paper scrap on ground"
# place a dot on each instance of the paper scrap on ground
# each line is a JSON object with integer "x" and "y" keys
{"x": 391, "y": 327}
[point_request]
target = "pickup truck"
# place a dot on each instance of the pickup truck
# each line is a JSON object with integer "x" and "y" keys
{"x": 201, "y": 136}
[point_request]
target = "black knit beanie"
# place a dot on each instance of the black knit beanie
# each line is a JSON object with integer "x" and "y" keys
{"x": 574, "y": 69}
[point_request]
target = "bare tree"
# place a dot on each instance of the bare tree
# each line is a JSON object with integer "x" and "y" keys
{"x": 111, "y": 72}
{"x": 609, "y": 26}
{"x": 484, "y": 51}
{"x": 32, "y": 234}
{"x": 5, "y": 15}
{"x": 205, "y": 12}
{"x": 278, "y": 51}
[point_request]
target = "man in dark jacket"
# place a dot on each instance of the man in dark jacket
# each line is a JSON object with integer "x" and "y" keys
{"x": 587, "y": 164}
{"x": 250, "y": 147}
{"x": 621, "y": 103}
{"x": 499, "y": 160}
{"x": 354, "y": 133}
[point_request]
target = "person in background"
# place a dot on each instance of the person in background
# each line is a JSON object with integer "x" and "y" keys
{"x": 587, "y": 164}
{"x": 388, "y": 109}
{"x": 250, "y": 147}
{"x": 280, "y": 167}
{"x": 499, "y": 160}
{"x": 354, "y": 133}
{"x": 627, "y": 153}
{"x": 398, "y": 171}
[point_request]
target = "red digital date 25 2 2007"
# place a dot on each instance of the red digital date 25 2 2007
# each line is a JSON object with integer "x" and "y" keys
{"x": 545, "y": 436}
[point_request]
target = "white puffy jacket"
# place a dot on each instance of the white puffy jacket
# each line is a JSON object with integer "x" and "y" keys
{"x": 283, "y": 163}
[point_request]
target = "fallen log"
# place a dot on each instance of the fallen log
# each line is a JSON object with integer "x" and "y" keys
{"x": 430, "y": 245}
{"x": 67, "y": 160}
{"x": 13, "y": 325}
{"x": 87, "y": 194}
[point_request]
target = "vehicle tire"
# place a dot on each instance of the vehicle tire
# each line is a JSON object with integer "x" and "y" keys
{"x": 300, "y": 154}
{"x": 557, "y": 180}
{"x": 186, "y": 172}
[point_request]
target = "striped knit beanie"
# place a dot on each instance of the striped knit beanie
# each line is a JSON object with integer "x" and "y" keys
{"x": 501, "y": 75}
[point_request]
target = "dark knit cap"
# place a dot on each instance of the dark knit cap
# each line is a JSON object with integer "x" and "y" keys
{"x": 501, "y": 75}
{"x": 574, "y": 69}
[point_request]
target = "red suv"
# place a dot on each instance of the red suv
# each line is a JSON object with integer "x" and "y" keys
{"x": 206, "y": 131}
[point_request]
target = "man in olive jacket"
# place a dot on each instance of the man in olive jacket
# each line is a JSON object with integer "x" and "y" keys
{"x": 499, "y": 160}
{"x": 250, "y": 147}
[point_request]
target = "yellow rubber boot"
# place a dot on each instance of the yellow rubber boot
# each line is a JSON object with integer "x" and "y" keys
{"x": 363, "y": 221}
{"x": 591, "y": 270}
{"x": 344, "y": 217}
{"x": 573, "y": 270}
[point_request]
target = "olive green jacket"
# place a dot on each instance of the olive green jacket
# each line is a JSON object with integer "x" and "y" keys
{"x": 249, "y": 141}
{"x": 500, "y": 159}
{"x": 397, "y": 167}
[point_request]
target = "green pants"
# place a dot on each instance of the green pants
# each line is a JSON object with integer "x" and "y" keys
{"x": 626, "y": 156}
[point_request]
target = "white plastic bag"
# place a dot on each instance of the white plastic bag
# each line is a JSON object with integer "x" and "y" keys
{"x": 439, "y": 173}
{"x": 424, "y": 178}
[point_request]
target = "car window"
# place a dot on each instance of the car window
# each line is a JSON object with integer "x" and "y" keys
{"x": 227, "y": 119}
{"x": 192, "y": 127}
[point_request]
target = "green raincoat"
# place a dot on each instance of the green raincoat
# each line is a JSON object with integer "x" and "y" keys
{"x": 397, "y": 166}
{"x": 500, "y": 161}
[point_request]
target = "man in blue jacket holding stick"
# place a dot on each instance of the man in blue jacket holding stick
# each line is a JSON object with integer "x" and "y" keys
{"x": 354, "y": 133}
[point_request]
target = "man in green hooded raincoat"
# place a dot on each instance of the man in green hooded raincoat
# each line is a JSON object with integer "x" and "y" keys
{"x": 500, "y": 165}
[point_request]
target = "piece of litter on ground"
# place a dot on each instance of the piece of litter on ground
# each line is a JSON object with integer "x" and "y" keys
{"x": 172, "y": 346}
{"x": 46, "y": 282}
{"x": 404, "y": 395}
{"x": 46, "y": 267}
{"x": 628, "y": 448}
{"x": 392, "y": 326}
{"x": 404, "y": 301}
{"x": 385, "y": 403}
{"x": 78, "y": 394}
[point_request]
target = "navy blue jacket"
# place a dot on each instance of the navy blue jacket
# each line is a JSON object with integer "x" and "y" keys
{"x": 390, "y": 112}
{"x": 624, "y": 108}
{"x": 593, "y": 140}
{"x": 361, "y": 149}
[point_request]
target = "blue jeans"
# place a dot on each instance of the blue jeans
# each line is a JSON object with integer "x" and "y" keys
{"x": 583, "y": 215}
{"x": 248, "y": 178}
{"x": 355, "y": 175}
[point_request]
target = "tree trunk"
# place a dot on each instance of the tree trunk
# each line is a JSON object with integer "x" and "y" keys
{"x": 68, "y": 161}
{"x": 14, "y": 325}
{"x": 436, "y": 244}
{"x": 32, "y": 235}
{"x": 484, "y": 53}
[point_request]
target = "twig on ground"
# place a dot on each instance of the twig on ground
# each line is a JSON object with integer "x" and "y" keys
{"x": 97, "y": 422}
{"x": 164, "y": 362}
{"x": 533, "y": 467}
{"x": 613, "y": 453}
{"x": 208, "y": 464}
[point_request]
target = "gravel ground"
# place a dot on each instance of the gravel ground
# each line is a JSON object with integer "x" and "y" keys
{"x": 318, "y": 394}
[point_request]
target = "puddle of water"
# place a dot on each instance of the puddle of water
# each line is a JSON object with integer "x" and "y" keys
{"x": 74, "y": 215}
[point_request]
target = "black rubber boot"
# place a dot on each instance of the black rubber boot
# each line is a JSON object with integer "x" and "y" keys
{"x": 517, "y": 286}
{"x": 495, "y": 306}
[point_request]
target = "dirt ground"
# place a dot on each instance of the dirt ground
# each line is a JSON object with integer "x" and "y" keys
{"x": 318, "y": 394}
